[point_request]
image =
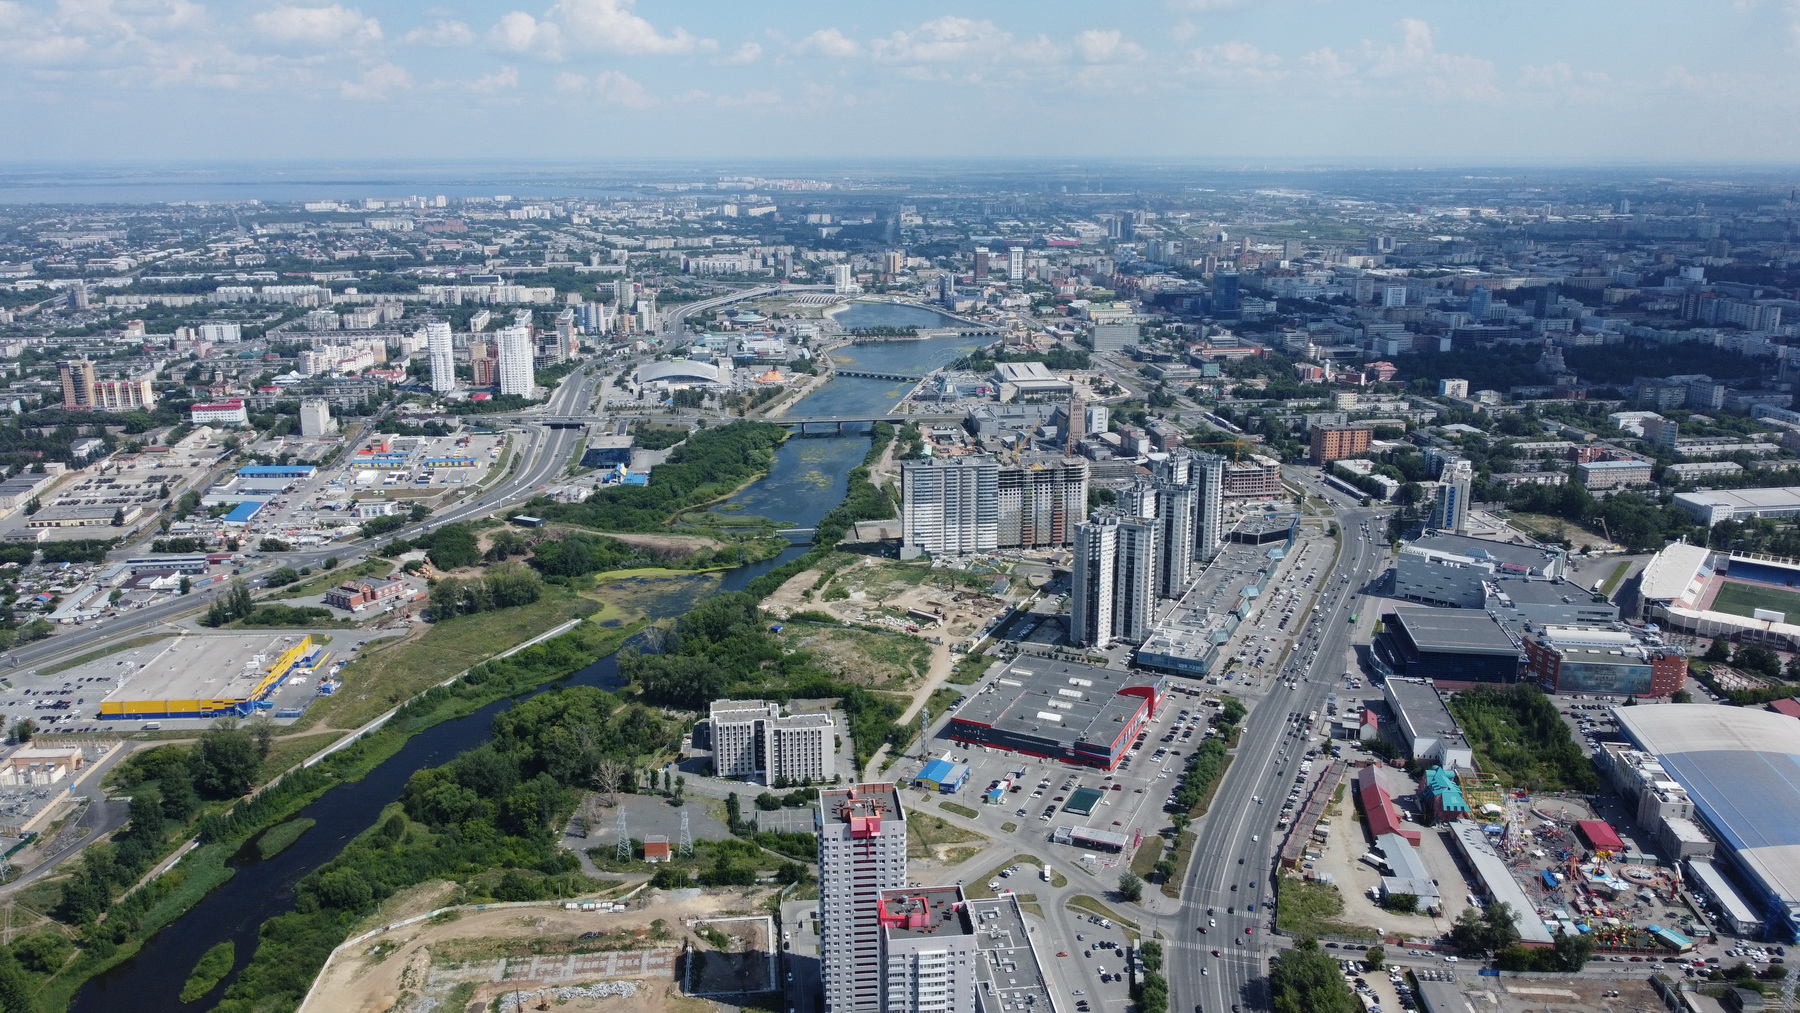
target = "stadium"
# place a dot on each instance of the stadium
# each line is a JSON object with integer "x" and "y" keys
{"x": 1742, "y": 769}
{"x": 1746, "y": 597}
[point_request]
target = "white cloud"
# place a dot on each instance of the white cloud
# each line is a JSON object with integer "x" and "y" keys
{"x": 335, "y": 24}
{"x": 1326, "y": 61}
{"x": 611, "y": 26}
{"x": 1108, "y": 46}
{"x": 378, "y": 82}
{"x": 505, "y": 77}
{"x": 610, "y": 86}
{"x": 29, "y": 37}
{"x": 519, "y": 32}
{"x": 947, "y": 39}
{"x": 1417, "y": 57}
{"x": 1237, "y": 61}
{"x": 829, "y": 42}
{"x": 749, "y": 52}
{"x": 440, "y": 33}
{"x": 1551, "y": 75}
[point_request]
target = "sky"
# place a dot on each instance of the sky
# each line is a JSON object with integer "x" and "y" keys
{"x": 1231, "y": 82}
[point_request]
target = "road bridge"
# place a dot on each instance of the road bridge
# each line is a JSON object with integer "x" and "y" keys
{"x": 801, "y": 421}
{"x": 871, "y": 375}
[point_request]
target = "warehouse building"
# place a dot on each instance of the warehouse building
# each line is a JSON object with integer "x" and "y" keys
{"x": 1427, "y": 729}
{"x": 1710, "y": 508}
{"x": 1453, "y": 648}
{"x": 204, "y": 676}
{"x": 1498, "y": 883}
{"x": 1738, "y": 766}
{"x": 1078, "y": 714}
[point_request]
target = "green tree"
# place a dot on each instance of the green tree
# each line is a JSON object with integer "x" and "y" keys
{"x": 1305, "y": 979}
{"x": 1131, "y": 887}
{"x": 186, "y": 585}
{"x": 1574, "y": 949}
{"x": 1374, "y": 957}
{"x": 1681, "y": 696}
{"x": 15, "y": 991}
{"x": 179, "y": 803}
{"x": 225, "y": 763}
{"x": 23, "y": 730}
{"x": 1719, "y": 650}
{"x": 1151, "y": 952}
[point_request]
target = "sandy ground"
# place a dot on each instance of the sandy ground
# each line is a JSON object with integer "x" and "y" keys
{"x": 391, "y": 971}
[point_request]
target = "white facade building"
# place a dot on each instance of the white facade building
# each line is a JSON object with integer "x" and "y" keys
{"x": 315, "y": 418}
{"x": 929, "y": 951}
{"x": 443, "y": 361}
{"x": 514, "y": 372}
{"x": 949, "y": 506}
{"x": 862, "y": 853}
{"x": 752, "y": 738}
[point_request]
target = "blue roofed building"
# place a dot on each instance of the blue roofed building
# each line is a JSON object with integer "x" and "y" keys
{"x": 244, "y": 513}
{"x": 943, "y": 776}
{"x": 1444, "y": 794}
{"x": 1741, "y": 768}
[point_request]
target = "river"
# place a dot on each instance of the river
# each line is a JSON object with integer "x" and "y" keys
{"x": 808, "y": 479}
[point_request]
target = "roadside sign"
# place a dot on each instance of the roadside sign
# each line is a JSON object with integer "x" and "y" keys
{"x": 1488, "y": 973}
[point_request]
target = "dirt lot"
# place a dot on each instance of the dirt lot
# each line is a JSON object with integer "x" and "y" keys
{"x": 463, "y": 960}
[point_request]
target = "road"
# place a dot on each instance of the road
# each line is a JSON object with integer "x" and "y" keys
{"x": 1238, "y": 839}
{"x": 542, "y": 453}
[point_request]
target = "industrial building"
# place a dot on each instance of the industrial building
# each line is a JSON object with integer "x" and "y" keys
{"x": 862, "y": 855}
{"x": 1737, "y": 765}
{"x": 752, "y": 738}
{"x": 1079, "y": 714}
{"x": 1519, "y": 601}
{"x": 1407, "y": 872}
{"x": 203, "y": 676}
{"x": 1427, "y": 728}
{"x": 1451, "y": 647}
{"x": 1614, "y": 660}
{"x": 1662, "y": 806}
{"x": 1451, "y": 570}
{"x": 366, "y": 592}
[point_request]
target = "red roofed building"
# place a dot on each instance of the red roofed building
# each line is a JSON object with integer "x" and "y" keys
{"x": 1600, "y": 836}
{"x": 1789, "y": 706}
{"x": 1378, "y": 806}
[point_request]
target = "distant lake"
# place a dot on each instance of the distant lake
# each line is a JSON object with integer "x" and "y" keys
{"x": 861, "y": 315}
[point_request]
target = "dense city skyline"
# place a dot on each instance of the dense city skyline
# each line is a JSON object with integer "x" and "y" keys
{"x": 1206, "y": 80}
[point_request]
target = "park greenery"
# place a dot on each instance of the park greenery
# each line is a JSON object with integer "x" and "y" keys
{"x": 711, "y": 464}
{"x": 1519, "y": 736}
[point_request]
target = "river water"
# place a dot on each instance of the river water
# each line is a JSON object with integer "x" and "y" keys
{"x": 808, "y": 479}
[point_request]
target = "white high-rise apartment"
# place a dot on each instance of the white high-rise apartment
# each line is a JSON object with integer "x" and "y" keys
{"x": 949, "y": 506}
{"x": 1015, "y": 264}
{"x": 1451, "y": 511}
{"x": 1175, "y": 523}
{"x": 752, "y": 738}
{"x": 315, "y": 418}
{"x": 1134, "y": 587}
{"x": 443, "y": 360}
{"x": 1096, "y": 558}
{"x": 862, "y": 852}
{"x": 1209, "y": 505}
{"x": 929, "y": 951}
{"x": 843, "y": 280}
{"x": 514, "y": 370}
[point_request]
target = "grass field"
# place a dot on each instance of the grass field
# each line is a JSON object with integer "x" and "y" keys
{"x": 1743, "y": 599}
{"x": 1304, "y": 908}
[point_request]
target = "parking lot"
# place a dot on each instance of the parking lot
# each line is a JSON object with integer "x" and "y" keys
{"x": 1131, "y": 798}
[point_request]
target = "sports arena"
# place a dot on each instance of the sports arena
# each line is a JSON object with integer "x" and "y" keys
{"x": 1747, "y": 597}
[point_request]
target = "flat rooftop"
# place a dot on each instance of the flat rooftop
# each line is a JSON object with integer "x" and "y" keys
{"x": 1424, "y": 711}
{"x": 1057, "y": 699}
{"x": 1010, "y": 978}
{"x": 861, "y": 801}
{"x": 1779, "y": 498}
{"x": 1498, "y": 882}
{"x": 1453, "y": 631}
{"x": 1513, "y": 553}
{"x": 191, "y": 667}
{"x": 923, "y": 912}
{"x": 1671, "y": 575}
{"x": 1546, "y": 592}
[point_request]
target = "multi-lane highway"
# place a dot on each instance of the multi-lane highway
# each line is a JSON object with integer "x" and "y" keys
{"x": 1227, "y": 887}
{"x": 541, "y": 453}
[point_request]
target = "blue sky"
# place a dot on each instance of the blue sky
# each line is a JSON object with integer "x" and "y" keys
{"x": 1224, "y": 81}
